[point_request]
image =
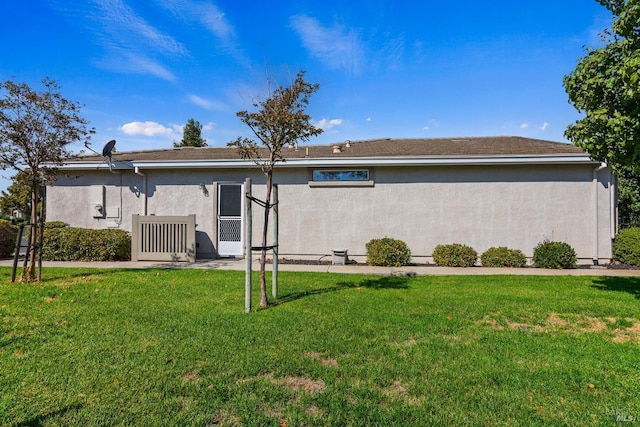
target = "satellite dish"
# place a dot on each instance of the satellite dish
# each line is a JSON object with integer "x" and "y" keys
{"x": 108, "y": 148}
{"x": 106, "y": 152}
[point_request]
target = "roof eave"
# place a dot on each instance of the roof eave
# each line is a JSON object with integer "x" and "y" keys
{"x": 340, "y": 162}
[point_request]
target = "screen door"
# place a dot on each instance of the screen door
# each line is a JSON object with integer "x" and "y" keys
{"x": 230, "y": 220}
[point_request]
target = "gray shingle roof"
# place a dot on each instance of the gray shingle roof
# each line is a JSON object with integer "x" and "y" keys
{"x": 386, "y": 147}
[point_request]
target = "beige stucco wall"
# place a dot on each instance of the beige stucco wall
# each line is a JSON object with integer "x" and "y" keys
{"x": 481, "y": 206}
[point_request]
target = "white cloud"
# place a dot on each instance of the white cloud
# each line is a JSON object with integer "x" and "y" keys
{"x": 336, "y": 47}
{"x": 120, "y": 61}
{"x": 207, "y": 104}
{"x": 210, "y": 17}
{"x": 431, "y": 123}
{"x": 209, "y": 126}
{"x": 125, "y": 28}
{"x": 368, "y": 119}
{"x": 145, "y": 128}
{"x": 325, "y": 124}
{"x": 127, "y": 42}
{"x": 544, "y": 127}
{"x": 215, "y": 21}
{"x": 524, "y": 125}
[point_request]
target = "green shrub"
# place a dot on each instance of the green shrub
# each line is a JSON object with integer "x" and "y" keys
{"x": 8, "y": 236}
{"x": 455, "y": 255}
{"x": 84, "y": 244}
{"x": 626, "y": 246}
{"x": 503, "y": 257}
{"x": 557, "y": 255}
{"x": 388, "y": 252}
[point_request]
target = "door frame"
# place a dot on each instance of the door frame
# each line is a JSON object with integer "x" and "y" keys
{"x": 233, "y": 247}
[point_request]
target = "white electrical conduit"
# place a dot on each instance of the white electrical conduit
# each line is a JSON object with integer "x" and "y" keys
{"x": 144, "y": 187}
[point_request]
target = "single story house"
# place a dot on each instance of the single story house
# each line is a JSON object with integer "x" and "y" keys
{"x": 482, "y": 192}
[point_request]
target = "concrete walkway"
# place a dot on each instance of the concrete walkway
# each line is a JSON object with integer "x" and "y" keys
{"x": 420, "y": 270}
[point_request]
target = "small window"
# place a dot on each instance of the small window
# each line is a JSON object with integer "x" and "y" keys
{"x": 341, "y": 175}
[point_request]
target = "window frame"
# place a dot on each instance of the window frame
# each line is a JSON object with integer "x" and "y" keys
{"x": 313, "y": 182}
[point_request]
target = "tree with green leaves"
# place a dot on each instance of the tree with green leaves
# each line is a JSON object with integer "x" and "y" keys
{"x": 192, "y": 135}
{"x": 628, "y": 198}
{"x": 280, "y": 120}
{"x": 605, "y": 86}
{"x": 36, "y": 127}
{"x": 17, "y": 196}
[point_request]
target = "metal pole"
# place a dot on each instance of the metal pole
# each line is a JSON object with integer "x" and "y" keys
{"x": 247, "y": 245}
{"x": 28, "y": 250}
{"x": 274, "y": 273}
{"x": 43, "y": 213}
{"x": 17, "y": 254}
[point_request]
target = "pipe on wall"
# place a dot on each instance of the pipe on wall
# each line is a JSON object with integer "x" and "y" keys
{"x": 596, "y": 257}
{"x": 613, "y": 200}
{"x": 144, "y": 188}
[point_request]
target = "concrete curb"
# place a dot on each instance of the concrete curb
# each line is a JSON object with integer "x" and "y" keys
{"x": 421, "y": 270}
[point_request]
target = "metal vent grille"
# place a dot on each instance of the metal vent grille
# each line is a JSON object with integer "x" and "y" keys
{"x": 163, "y": 238}
{"x": 171, "y": 238}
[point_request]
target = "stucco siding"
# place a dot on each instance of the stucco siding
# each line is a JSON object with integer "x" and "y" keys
{"x": 481, "y": 206}
{"x": 486, "y": 206}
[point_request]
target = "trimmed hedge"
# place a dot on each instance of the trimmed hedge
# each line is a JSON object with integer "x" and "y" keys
{"x": 556, "y": 255}
{"x": 455, "y": 255}
{"x": 62, "y": 243}
{"x": 503, "y": 257}
{"x": 388, "y": 252}
{"x": 626, "y": 246}
{"x": 8, "y": 236}
{"x": 55, "y": 224}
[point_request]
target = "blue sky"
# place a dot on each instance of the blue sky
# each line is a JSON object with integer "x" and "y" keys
{"x": 394, "y": 69}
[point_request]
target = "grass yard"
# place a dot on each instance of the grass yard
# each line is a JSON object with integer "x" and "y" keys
{"x": 174, "y": 347}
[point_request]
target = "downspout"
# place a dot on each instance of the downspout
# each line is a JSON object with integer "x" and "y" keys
{"x": 144, "y": 187}
{"x": 613, "y": 205}
{"x": 596, "y": 258}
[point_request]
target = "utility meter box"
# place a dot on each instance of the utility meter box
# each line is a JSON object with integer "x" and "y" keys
{"x": 96, "y": 201}
{"x": 340, "y": 257}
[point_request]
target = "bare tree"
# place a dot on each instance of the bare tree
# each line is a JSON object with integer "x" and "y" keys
{"x": 280, "y": 120}
{"x": 35, "y": 129}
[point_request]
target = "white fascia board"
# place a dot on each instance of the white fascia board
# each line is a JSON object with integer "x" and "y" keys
{"x": 340, "y": 162}
{"x": 96, "y": 166}
{"x": 437, "y": 161}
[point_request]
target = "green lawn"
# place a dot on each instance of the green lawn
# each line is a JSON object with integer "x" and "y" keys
{"x": 174, "y": 347}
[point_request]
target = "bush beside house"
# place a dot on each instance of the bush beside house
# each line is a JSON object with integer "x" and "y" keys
{"x": 556, "y": 255}
{"x": 63, "y": 243}
{"x": 503, "y": 257}
{"x": 8, "y": 236}
{"x": 626, "y": 246}
{"x": 388, "y": 252}
{"x": 455, "y": 255}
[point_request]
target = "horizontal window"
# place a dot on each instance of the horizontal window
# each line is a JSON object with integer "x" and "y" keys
{"x": 320, "y": 175}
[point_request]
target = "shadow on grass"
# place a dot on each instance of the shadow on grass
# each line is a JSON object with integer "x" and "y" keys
{"x": 392, "y": 282}
{"x": 630, "y": 285}
{"x": 45, "y": 419}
